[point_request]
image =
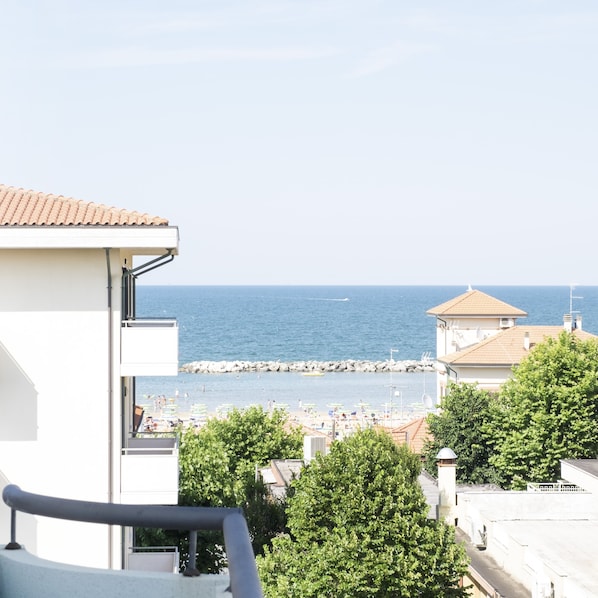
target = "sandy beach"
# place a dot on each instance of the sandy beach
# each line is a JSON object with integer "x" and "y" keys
{"x": 165, "y": 415}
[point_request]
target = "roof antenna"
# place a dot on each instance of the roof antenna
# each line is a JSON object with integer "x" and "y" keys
{"x": 571, "y": 297}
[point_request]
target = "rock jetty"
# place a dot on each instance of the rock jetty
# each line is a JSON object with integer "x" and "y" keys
{"x": 348, "y": 365}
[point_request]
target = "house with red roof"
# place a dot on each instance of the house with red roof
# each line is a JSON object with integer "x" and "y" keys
{"x": 71, "y": 348}
{"x": 479, "y": 341}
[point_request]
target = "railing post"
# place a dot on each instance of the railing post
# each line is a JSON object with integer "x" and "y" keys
{"x": 13, "y": 544}
{"x": 244, "y": 579}
{"x": 191, "y": 569}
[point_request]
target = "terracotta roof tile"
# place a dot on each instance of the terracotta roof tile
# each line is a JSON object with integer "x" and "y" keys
{"x": 476, "y": 303}
{"x": 414, "y": 434}
{"x": 506, "y": 348}
{"x": 19, "y": 207}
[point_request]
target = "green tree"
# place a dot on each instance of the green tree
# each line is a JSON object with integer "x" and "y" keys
{"x": 358, "y": 528}
{"x": 217, "y": 468}
{"x": 463, "y": 425}
{"x": 548, "y": 411}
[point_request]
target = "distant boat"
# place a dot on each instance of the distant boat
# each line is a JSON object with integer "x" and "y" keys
{"x": 314, "y": 373}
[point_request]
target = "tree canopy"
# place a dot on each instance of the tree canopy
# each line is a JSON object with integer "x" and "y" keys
{"x": 218, "y": 468}
{"x": 464, "y": 425}
{"x": 358, "y": 528}
{"x": 547, "y": 412}
{"x": 218, "y": 461}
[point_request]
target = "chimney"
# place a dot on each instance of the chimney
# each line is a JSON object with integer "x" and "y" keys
{"x": 578, "y": 322}
{"x": 526, "y": 341}
{"x": 447, "y": 485}
{"x": 567, "y": 323}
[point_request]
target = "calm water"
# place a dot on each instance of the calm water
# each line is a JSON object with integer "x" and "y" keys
{"x": 322, "y": 323}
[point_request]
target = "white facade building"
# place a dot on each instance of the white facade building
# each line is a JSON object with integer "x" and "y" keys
{"x": 543, "y": 538}
{"x": 478, "y": 340}
{"x": 70, "y": 348}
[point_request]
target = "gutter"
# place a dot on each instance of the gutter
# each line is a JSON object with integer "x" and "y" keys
{"x": 110, "y": 397}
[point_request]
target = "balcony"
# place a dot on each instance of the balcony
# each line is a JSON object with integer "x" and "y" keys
{"x": 149, "y": 347}
{"x": 149, "y": 471}
{"x": 27, "y": 576}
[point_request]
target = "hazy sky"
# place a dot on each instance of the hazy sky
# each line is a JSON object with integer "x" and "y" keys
{"x": 319, "y": 141}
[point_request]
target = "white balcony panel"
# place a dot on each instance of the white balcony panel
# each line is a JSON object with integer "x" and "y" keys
{"x": 150, "y": 559}
{"x": 27, "y": 576}
{"x": 149, "y": 348}
{"x": 150, "y": 471}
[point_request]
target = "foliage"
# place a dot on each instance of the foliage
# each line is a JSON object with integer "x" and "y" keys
{"x": 254, "y": 436}
{"x": 358, "y": 528}
{"x": 217, "y": 467}
{"x": 463, "y": 425}
{"x": 547, "y": 412}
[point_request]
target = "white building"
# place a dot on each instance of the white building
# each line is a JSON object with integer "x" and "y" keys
{"x": 478, "y": 340}
{"x": 543, "y": 539}
{"x": 70, "y": 349}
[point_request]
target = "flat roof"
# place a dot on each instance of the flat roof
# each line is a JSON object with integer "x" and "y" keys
{"x": 560, "y": 527}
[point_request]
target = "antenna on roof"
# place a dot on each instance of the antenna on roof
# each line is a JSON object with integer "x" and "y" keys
{"x": 571, "y": 297}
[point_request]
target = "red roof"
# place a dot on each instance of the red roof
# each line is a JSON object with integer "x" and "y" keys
{"x": 476, "y": 303}
{"x": 19, "y": 207}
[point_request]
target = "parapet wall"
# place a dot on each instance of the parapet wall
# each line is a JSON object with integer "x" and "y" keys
{"x": 26, "y": 576}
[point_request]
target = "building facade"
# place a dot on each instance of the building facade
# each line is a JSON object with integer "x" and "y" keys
{"x": 479, "y": 341}
{"x": 70, "y": 350}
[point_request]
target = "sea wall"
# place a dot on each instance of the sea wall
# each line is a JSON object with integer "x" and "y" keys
{"x": 348, "y": 365}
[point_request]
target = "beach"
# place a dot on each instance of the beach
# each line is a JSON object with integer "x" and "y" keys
{"x": 316, "y": 412}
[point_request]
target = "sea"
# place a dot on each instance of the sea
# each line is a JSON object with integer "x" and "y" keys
{"x": 322, "y": 323}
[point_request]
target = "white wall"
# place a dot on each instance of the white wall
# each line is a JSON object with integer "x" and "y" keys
{"x": 24, "y": 576}
{"x": 485, "y": 377}
{"x": 54, "y": 390}
{"x": 454, "y": 334}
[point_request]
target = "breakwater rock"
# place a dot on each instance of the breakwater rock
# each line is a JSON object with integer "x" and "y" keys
{"x": 307, "y": 367}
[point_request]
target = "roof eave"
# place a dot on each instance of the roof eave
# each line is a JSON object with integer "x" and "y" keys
{"x": 140, "y": 239}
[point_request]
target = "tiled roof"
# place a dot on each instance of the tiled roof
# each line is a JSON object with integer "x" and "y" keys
{"x": 19, "y": 207}
{"x": 476, "y": 303}
{"x": 506, "y": 348}
{"x": 414, "y": 434}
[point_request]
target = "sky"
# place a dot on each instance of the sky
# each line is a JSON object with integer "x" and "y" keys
{"x": 324, "y": 142}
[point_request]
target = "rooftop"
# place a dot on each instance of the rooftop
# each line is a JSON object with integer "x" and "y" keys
{"x": 507, "y": 348}
{"x": 475, "y": 303}
{"x": 414, "y": 434}
{"x": 20, "y": 207}
{"x": 560, "y": 528}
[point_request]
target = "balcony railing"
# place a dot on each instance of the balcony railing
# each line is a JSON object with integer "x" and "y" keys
{"x": 149, "y": 347}
{"x": 244, "y": 580}
{"x": 149, "y": 471}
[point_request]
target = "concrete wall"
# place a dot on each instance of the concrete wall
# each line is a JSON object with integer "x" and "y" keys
{"x": 25, "y": 576}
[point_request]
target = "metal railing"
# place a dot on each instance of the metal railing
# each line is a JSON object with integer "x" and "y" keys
{"x": 553, "y": 487}
{"x": 244, "y": 580}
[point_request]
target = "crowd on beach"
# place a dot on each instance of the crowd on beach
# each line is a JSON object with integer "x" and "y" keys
{"x": 163, "y": 416}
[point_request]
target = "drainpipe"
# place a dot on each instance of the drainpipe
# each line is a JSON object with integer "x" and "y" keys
{"x": 110, "y": 397}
